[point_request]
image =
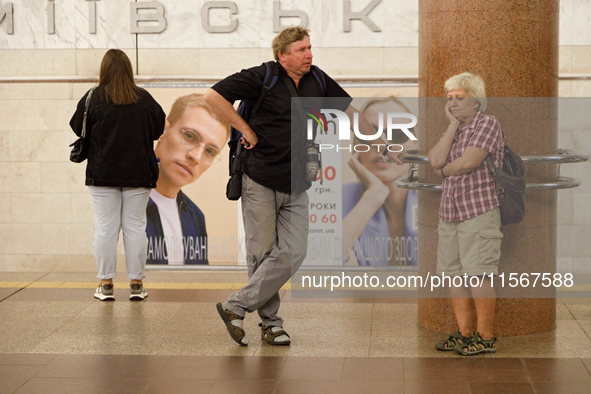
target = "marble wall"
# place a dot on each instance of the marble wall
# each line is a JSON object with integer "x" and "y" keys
{"x": 46, "y": 214}
{"x": 397, "y": 21}
{"x": 574, "y": 208}
{"x": 185, "y": 47}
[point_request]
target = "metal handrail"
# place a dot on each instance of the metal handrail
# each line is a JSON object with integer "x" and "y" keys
{"x": 558, "y": 183}
{"x": 561, "y": 156}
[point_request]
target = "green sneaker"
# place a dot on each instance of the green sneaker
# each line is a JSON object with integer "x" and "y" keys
{"x": 476, "y": 345}
{"x": 454, "y": 339}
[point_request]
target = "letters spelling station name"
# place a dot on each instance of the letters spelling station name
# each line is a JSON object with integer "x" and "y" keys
{"x": 148, "y": 16}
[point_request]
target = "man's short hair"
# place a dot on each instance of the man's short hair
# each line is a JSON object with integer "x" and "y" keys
{"x": 286, "y": 38}
{"x": 193, "y": 100}
{"x": 472, "y": 84}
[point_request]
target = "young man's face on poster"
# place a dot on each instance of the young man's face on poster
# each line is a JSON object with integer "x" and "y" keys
{"x": 189, "y": 147}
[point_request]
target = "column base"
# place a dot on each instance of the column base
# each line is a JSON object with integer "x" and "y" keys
{"x": 513, "y": 316}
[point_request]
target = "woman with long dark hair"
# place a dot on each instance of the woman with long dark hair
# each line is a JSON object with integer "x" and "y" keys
{"x": 122, "y": 123}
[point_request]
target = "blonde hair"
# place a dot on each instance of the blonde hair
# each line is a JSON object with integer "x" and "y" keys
{"x": 472, "y": 84}
{"x": 287, "y": 37}
{"x": 193, "y": 100}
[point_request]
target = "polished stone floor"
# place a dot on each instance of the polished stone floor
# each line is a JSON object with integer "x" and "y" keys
{"x": 55, "y": 338}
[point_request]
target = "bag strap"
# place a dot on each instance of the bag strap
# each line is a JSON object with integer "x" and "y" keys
{"x": 499, "y": 189}
{"x": 494, "y": 169}
{"x": 271, "y": 77}
{"x": 319, "y": 75}
{"x": 86, "y": 105}
{"x": 296, "y": 97}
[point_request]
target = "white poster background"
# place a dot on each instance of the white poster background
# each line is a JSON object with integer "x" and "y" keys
{"x": 325, "y": 209}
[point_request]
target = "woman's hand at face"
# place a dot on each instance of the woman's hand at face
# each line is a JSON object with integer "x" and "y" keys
{"x": 449, "y": 115}
{"x": 368, "y": 179}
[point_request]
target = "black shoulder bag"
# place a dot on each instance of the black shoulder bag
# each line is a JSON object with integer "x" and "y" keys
{"x": 80, "y": 146}
{"x": 510, "y": 186}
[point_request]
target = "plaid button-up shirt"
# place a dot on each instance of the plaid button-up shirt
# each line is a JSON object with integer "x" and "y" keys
{"x": 469, "y": 195}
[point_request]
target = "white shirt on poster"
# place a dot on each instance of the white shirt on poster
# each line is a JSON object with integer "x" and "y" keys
{"x": 171, "y": 227}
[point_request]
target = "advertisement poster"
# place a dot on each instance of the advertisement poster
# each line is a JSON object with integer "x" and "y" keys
{"x": 347, "y": 225}
{"x": 221, "y": 240}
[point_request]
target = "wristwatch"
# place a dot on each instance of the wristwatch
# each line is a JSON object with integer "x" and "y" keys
{"x": 442, "y": 174}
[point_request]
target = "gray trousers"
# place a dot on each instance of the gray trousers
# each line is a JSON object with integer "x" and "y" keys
{"x": 276, "y": 228}
{"x": 115, "y": 209}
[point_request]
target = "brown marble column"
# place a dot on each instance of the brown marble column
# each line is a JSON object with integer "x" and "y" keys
{"x": 513, "y": 46}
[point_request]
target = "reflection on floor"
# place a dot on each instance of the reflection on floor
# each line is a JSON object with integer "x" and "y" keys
{"x": 55, "y": 338}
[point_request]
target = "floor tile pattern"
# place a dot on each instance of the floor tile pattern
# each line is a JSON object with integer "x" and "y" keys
{"x": 83, "y": 373}
{"x": 55, "y": 338}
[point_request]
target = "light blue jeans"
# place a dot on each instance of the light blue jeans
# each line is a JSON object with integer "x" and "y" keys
{"x": 120, "y": 208}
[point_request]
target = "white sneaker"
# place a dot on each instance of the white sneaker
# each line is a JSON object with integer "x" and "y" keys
{"x": 104, "y": 292}
{"x": 138, "y": 292}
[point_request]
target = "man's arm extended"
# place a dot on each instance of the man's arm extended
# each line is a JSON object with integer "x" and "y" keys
{"x": 224, "y": 109}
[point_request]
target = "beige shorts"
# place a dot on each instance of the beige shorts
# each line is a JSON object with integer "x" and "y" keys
{"x": 471, "y": 247}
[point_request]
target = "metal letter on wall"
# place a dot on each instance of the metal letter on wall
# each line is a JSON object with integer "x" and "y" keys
{"x": 348, "y": 16}
{"x": 51, "y": 17}
{"x": 92, "y": 16}
{"x": 278, "y": 14}
{"x": 6, "y": 12}
{"x": 219, "y": 4}
{"x": 157, "y": 16}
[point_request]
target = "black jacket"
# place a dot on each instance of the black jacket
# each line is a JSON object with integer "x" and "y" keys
{"x": 121, "y": 140}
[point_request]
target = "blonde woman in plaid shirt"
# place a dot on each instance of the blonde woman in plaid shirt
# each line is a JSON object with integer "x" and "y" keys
{"x": 469, "y": 218}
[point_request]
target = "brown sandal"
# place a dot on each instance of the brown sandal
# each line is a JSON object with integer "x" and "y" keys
{"x": 269, "y": 336}
{"x": 236, "y": 333}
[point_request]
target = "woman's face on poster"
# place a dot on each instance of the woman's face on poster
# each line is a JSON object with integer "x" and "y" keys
{"x": 372, "y": 159}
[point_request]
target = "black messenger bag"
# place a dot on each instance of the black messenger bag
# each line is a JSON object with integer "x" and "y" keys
{"x": 79, "y": 151}
{"x": 509, "y": 186}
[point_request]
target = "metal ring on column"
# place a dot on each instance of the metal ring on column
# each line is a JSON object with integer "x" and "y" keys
{"x": 559, "y": 183}
{"x": 561, "y": 156}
